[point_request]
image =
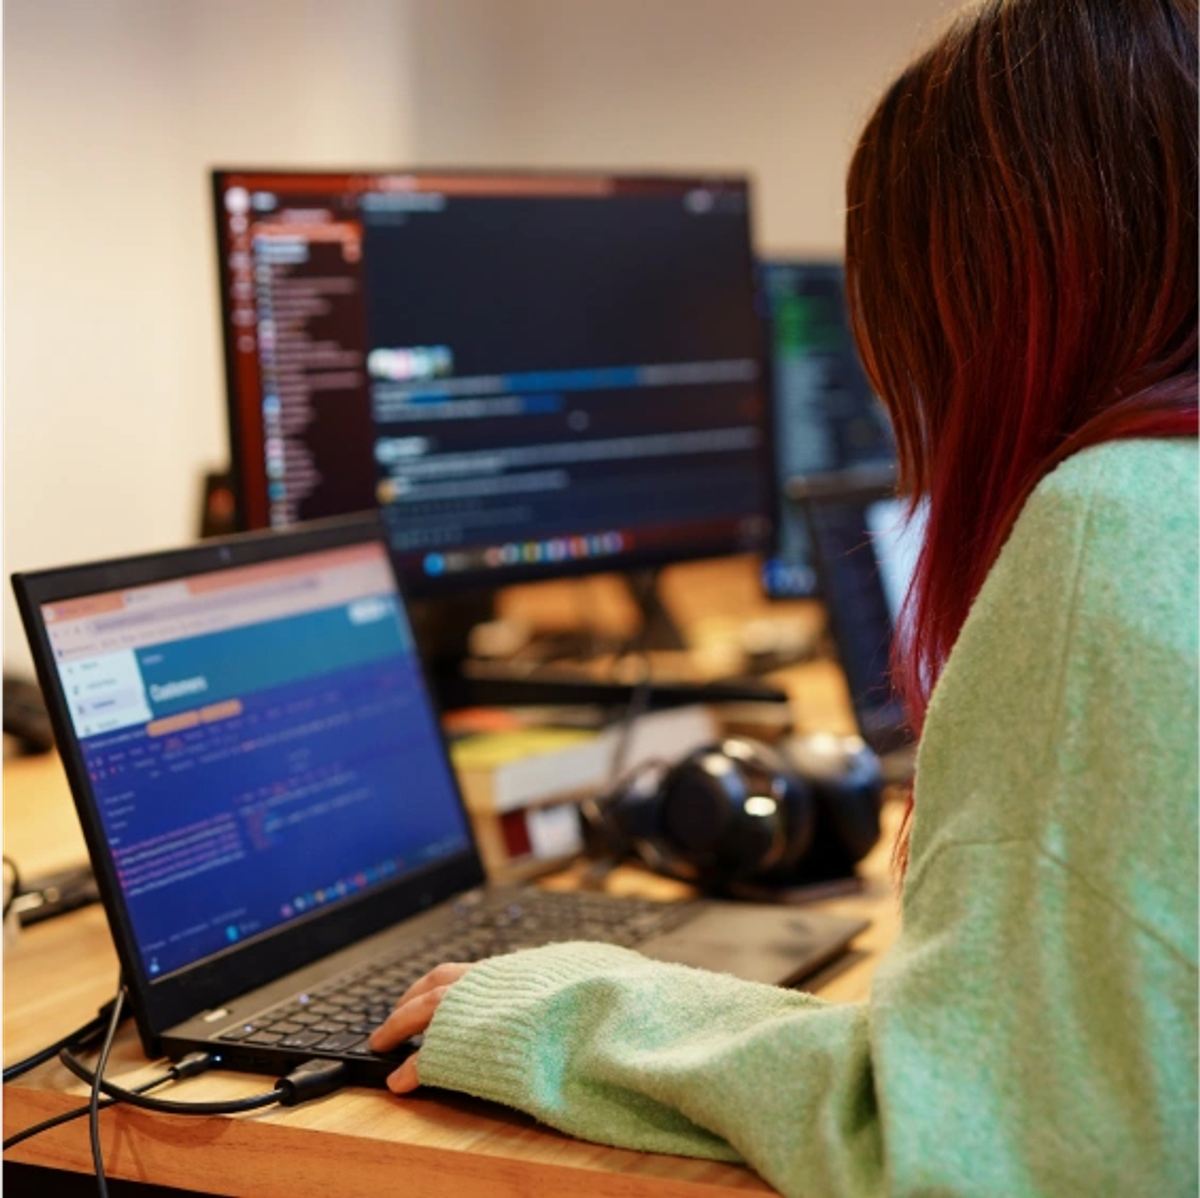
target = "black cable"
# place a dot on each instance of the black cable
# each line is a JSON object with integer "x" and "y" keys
{"x": 231, "y": 1106}
{"x": 77, "y": 1113}
{"x": 174, "y": 1073}
{"x": 81, "y": 1037}
{"x": 94, "y": 1101}
{"x": 310, "y": 1080}
{"x": 638, "y": 705}
{"x": 603, "y": 844}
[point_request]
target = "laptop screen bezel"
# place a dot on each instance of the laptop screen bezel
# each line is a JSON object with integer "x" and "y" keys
{"x": 162, "y": 1002}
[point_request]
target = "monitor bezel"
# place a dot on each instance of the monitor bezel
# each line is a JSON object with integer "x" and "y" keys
{"x": 160, "y": 1003}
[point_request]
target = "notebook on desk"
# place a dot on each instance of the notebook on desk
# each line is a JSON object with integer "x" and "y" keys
{"x": 270, "y": 810}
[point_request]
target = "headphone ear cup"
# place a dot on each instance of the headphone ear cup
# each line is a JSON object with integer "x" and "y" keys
{"x": 847, "y": 782}
{"x": 616, "y": 824}
{"x": 733, "y": 811}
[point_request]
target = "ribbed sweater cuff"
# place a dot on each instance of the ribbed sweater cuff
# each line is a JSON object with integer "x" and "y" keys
{"x": 485, "y": 1033}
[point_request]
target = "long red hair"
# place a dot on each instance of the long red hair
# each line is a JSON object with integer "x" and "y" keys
{"x": 1021, "y": 268}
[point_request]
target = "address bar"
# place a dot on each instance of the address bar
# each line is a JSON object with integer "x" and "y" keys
{"x": 213, "y": 602}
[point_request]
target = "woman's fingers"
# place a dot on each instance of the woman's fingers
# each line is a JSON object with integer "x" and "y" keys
{"x": 415, "y": 1008}
{"x": 410, "y": 1018}
{"x": 442, "y": 975}
{"x": 405, "y": 1078}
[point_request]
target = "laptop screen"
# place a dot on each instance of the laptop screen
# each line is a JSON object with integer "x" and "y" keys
{"x": 866, "y": 550}
{"x": 259, "y": 742}
{"x": 896, "y": 540}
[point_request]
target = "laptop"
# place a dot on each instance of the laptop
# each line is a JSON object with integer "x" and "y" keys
{"x": 271, "y": 814}
{"x": 865, "y": 550}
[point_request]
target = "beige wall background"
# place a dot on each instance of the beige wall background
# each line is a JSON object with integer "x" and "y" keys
{"x": 114, "y": 110}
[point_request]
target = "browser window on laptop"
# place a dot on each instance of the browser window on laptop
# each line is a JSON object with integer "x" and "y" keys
{"x": 245, "y": 724}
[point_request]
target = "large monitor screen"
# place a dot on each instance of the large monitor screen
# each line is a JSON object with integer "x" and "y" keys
{"x": 828, "y": 420}
{"x": 531, "y": 374}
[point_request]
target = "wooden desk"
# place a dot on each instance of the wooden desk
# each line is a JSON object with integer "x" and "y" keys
{"x": 360, "y": 1141}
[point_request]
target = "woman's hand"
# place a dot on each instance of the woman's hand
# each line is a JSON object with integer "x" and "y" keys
{"x": 411, "y": 1015}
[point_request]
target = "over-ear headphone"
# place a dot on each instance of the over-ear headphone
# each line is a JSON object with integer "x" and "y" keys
{"x": 740, "y": 814}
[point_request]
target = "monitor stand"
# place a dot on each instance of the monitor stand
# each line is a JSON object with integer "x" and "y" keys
{"x": 658, "y": 629}
{"x": 442, "y": 629}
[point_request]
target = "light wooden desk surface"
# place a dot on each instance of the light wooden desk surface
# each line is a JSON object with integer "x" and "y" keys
{"x": 435, "y": 1145}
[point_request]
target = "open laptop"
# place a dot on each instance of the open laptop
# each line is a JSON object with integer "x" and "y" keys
{"x": 271, "y": 813}
{"x": 865, "y": 550}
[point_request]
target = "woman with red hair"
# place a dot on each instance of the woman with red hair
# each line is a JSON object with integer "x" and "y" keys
{"x": 1021, "y": 248}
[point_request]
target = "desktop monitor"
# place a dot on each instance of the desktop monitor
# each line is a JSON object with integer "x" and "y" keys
{"x": 533, "y": 374}
{"x": 828, "y": 420}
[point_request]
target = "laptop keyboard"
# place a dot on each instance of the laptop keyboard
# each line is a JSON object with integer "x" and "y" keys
{"x": 338, "y": 1015}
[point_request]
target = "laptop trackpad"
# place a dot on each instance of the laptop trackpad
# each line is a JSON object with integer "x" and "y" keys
{"x": 776, "y": 945}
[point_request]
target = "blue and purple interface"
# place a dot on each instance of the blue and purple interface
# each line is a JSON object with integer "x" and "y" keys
{"x": 260, "y": 745}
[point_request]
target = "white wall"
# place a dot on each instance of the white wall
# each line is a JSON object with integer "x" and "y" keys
{"x": 778, "y": 88}
{"x": 115, "y": 109}
{"x": 113, "y": 112}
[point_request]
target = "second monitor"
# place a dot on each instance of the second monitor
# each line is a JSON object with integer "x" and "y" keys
{"x": 829, "y": 422}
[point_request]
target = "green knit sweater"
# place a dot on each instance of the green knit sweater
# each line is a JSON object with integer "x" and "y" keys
{"x": 1034, "y": 1029}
